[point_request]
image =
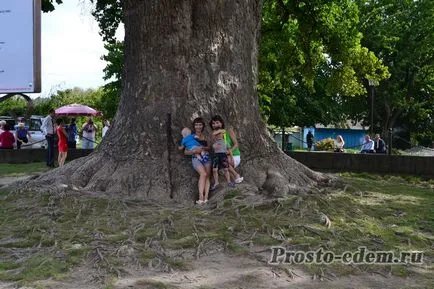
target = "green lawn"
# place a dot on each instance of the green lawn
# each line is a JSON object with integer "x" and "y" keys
{"x": 55, "y": 232}
{"x": 10, "y": 170}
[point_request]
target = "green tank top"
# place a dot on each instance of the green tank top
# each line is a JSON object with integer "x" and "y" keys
{"x": 229, "y": 144}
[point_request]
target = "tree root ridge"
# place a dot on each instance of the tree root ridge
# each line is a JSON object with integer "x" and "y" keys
{"x": 273, "y": 175}
{"x": 278, "y": 175}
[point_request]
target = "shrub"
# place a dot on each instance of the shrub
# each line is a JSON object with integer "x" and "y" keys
{"x": 327, "y": 144}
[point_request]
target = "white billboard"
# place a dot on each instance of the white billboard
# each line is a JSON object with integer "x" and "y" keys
{"x": 20, "y": 46}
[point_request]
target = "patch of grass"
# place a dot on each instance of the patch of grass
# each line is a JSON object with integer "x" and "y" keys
{"x": 265, "y": 240}
{"x": 238, "y": 249}
{"x": 151, "y": 284}
{"x": 147, "y": 255}
{"x": 182, "y": 243}
{"x": 143, "y": 234}
{"x": 37, "y": 267}
{"x": 15, "y": 170}
{"x": 178, "y": 264}
{"x": 76, "y": 255}
{"x": 8, "y": 265}
{"x": 232, "y": 194}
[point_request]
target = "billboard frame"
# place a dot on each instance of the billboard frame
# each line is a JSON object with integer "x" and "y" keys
{"x": 36, "y": 87}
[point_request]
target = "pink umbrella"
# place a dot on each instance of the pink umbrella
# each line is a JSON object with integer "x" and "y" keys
{"x": 77, "y": 110}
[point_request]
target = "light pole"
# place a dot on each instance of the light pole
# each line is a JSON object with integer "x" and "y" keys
{"x": 371, "y": 83}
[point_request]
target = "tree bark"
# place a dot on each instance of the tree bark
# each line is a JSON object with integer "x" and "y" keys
{"x": 184, "y": 59}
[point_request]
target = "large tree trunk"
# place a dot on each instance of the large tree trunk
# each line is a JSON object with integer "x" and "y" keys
{"x": 184, "y": 59}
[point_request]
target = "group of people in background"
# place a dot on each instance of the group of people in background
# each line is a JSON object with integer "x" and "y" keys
{"x": 373, "y": 146}
{"x": 226, "y": 154}
{"x": 369, "y": 146}
{"x": 66, "y": 136}
{"x": 8, "y": 140}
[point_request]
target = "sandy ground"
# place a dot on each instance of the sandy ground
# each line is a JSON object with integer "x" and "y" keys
{"x": 225, "y": 271}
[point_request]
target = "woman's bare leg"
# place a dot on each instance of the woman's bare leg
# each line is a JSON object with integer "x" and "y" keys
{"x": 215, "y": 174}
{"x": 65, "y": 154}
{"x": 227, "y": 175}
{"x": 59, "y": 158}
{"x": 202, "y": 181}
{"x": 207, "y": 181}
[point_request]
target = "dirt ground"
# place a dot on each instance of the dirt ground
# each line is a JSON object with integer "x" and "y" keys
{"x": 232, "y": 272}
{"x": 220, "y": 269}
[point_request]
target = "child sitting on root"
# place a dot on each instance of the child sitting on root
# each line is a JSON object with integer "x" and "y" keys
{"x": 189, "y": 142}
{"x": 220, "y": 160}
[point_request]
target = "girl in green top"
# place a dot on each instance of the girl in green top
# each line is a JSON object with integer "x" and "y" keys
{"x": 234, "y": 157}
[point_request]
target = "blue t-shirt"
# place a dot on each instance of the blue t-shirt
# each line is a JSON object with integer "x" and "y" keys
{"x": 190, "y": 141}
{"x": 22, "y": 132}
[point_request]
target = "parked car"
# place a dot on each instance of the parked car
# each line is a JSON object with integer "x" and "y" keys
{"x": 37, "y": 136}
{"x": 33, "y": 125}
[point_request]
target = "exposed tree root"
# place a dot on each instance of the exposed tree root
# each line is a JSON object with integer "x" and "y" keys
{"x": 275, "y": 175}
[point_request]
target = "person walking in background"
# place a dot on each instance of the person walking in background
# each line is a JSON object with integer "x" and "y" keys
{"x": 7, "y": 139}
{"x": 105, "y": 128}
{"x": 22, "y": 135}
{"x": 380, "y": 145}
{"x": 309, "y": 140}
{"x": 339, "y": 144}
{"x": 48, "y": 129}
{"x": 368, "y": 146}
{"x": 62, "y": 144}
{"x": 72, "y": 134}
{"x": 88, "y": 132}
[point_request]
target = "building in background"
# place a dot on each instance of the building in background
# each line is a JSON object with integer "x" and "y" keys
{"x": 353, "y": 134}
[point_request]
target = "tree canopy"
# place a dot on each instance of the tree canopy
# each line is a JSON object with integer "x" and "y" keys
{"x": 312, "y": 61}
{"x": 401, "y": 33}
{"x": 316, "y": 58}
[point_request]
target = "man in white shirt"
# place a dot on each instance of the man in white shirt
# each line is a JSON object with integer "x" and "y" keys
{"x": 368, "y": 146}
{"x": 49, "y": 131}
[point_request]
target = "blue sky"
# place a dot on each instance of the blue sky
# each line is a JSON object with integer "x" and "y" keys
{"x": 71, "y": 49}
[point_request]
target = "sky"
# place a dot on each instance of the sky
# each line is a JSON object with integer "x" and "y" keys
{"x": 71, "y": 49}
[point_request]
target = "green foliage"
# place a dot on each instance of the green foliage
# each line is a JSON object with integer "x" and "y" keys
{"x": 311, "y": 61}
{"x": 48, "y": 5}
{"x": 316, "y": 57}
{"x": 109, "y": 15}
{"x": 325, "y": 145}
{"x": 401, "y": 33}
{"x": 15, "y": 105}
{"x": 113, "y": 71}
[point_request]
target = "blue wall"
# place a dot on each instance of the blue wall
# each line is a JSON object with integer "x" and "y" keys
{"x": 353, "y": 137}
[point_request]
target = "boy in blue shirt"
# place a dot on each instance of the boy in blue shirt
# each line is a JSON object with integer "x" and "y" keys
{"x": 189, "y": 142}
